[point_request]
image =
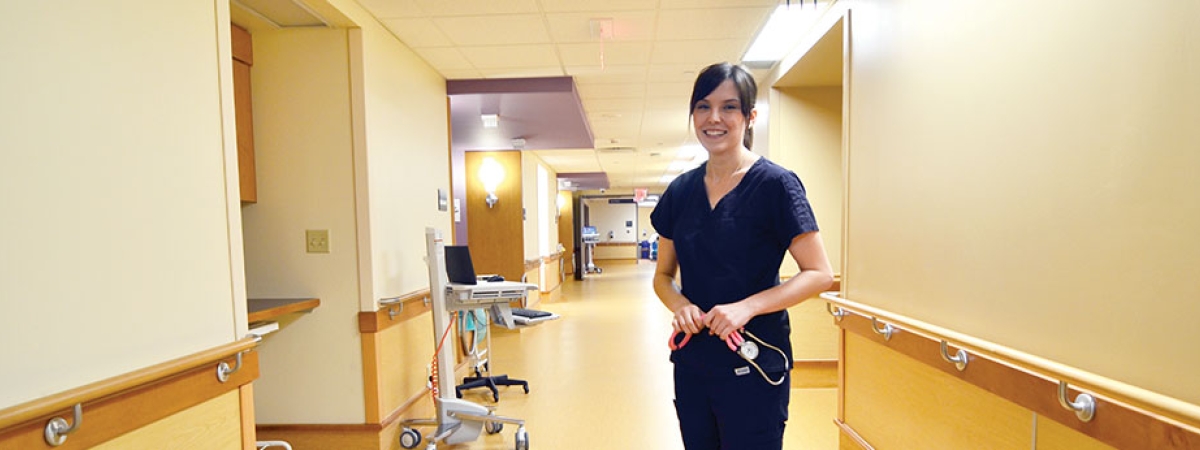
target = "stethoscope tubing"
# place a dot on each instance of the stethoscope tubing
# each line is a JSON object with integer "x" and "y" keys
{"x": 736, "y": 344}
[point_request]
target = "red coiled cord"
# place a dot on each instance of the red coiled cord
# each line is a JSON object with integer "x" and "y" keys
{"x": 434, "y": 367}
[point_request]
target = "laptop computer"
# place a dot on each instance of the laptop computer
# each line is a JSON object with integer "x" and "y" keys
{"x": 458, "y": 264}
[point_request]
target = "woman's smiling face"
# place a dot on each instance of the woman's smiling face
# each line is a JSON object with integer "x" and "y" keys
{"x": 718, "y": 119}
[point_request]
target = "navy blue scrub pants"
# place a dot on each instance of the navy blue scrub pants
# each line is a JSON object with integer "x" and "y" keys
{"x": 729, "y": 412}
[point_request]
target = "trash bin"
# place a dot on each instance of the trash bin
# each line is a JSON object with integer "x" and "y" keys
{"x": 644, "y": 248}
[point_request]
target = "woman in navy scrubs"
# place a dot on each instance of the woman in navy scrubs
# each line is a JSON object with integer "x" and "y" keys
{"x": 726, "y": 226}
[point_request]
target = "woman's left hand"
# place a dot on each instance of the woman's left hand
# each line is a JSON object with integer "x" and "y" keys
{"x": 723, "y": 320}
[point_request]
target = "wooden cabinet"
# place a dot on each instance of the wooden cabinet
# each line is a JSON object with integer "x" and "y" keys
{"x": 243, "y": 58}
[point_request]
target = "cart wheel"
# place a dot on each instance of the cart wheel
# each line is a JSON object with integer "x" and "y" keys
{"x": 410, "y": 438}
{"x": 522, "y": 439}
{"x": 431, "y": 446}
{"x": 494, "y": 427}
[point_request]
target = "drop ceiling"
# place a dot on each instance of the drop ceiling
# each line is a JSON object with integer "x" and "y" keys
{"x": 634, "y": 86}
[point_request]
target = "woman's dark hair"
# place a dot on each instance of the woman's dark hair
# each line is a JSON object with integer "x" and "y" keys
{"x": 712, "y": 76}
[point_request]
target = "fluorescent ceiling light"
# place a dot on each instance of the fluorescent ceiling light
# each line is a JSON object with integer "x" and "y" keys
{"x": 780, "y": 35}
{"x": 490, "y": 120}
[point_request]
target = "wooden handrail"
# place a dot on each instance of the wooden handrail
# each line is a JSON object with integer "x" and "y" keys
{"x": 1170, "y": 408}
{"x": 45, "y": 406}
{"x": 411, "y": 305}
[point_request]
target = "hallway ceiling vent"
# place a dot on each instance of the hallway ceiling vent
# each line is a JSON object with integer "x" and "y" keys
{"x": 283, "y": 13}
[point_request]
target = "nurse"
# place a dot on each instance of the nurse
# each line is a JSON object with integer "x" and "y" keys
{"x": 724, "y": 228}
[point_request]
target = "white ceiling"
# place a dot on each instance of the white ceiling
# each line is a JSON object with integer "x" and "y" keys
{"x": 635, "y": 85}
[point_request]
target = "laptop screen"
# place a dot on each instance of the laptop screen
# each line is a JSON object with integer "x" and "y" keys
{"x": 458, "y": 264}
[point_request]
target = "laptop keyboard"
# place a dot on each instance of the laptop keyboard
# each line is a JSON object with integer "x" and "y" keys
{"x": 529, "y": 313}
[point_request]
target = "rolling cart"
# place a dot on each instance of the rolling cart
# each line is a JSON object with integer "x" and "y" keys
{"x": 590, "y": 238}
{"x": 457, "y": 420}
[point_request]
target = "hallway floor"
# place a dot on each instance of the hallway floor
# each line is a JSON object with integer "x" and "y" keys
{"x": 600, "y": 378}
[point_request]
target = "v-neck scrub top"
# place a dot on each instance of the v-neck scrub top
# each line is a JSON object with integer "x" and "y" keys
{"x": 733, "y": 251}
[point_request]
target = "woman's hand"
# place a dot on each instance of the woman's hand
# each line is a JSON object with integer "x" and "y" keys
{"x": 688, "y": 319}
{"x": 723, "y": 320}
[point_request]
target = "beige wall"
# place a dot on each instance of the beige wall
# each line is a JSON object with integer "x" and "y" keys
{"x": 406, "y": 154}
{"x": 1027, "y": 174}
{"x": 808, "y": 123}
{"x": 807, "y": 131}
{"x": 305, "y": 181}
{"x": 120, "y": 177}
{"x": 353, "y": 140}
{"x": 612, "y": 217}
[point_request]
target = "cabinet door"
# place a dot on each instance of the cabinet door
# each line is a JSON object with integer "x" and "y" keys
{"x": 244, "y": 114}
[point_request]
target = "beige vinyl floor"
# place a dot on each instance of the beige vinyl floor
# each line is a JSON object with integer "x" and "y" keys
{"x": 600, "y": 379}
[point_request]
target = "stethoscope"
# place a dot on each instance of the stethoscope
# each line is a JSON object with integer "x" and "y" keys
{"x": 748, "y": 350}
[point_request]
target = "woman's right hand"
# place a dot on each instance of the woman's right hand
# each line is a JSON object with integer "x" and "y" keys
{"x": 688, "y": 319}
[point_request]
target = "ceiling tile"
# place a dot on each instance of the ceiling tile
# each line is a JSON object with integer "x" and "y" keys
{"x": 724, "y": 23}
{"x": 627, "y": 26}
{"x": 594, "y": 5}
{"x": 619, "y": 90}
{"x": 685, "y": 52}
{"x": 689, "y": 4}
{"x": 417, "y": 33}
{"x": 615, "y": 127}
{"x": 631, "y": 117}
{"x": 386, "y": 9}
{"x": 668, "y": 103}
{"x": 671, "y": 126}
{"x": 616, "y": 141}
{"x": 494, "y": 30}
{"x": 638, "y": 99}
{"x": 511, "y": 56}
{"x": 444, "y": 59}
{"x": 570, "y": 161}
{"x": 476, "y": 7}
{"x": 523, "y": 72}
{"x": 671, "y": 141}
{"x": 615, "y": 53}
{"x": 669, "y": 73}
{"x": 598, "y": 105}
{"x": 610, "y": 74}
{"x": 464, "y": 74}
{"x": 673, "y": 90}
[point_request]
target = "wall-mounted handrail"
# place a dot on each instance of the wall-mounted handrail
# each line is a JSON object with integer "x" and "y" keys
{"x": 887, "y": 331}
{"x": 959, "y": 359}
{"x": 61, "y": 401}
{"x": 58, "y": 428}
{"x": 1134, "y": 396}
{"x": 395, "y": 305}
{"x": 1084, "y": 405}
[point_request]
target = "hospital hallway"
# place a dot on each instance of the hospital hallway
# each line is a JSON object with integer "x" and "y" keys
{"x": 599, "y": 376}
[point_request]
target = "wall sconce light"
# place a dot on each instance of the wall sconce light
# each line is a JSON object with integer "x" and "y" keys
{"x": 491, "y": 173}
{"x": 490, "y": 120}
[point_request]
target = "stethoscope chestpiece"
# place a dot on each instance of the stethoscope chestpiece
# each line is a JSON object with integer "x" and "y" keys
{"x": 748, "y": 350}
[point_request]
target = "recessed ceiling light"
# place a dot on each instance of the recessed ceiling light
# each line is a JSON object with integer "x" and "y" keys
{"x": 780, "y": 34}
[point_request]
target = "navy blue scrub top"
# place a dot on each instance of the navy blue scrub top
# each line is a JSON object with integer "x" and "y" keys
{"x": 733, "y": 251}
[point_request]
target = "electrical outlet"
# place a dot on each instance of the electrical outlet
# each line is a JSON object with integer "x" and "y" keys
{"x": 317, "y": 241}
